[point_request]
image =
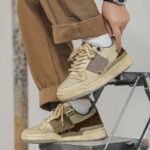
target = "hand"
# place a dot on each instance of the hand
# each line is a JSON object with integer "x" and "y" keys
{"x": 116, "y": 18}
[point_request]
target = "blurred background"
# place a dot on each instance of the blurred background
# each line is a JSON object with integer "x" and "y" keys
{"x": 136, "y": 41}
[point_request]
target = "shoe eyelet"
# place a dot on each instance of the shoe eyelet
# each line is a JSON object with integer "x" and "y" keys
{"x": 98, "y": 49}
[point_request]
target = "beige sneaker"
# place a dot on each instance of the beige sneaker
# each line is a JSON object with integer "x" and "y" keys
{"x": 92, "y": 68}
{"x": 66, "y": 125}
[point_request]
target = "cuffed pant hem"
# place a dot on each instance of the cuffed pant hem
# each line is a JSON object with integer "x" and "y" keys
{"x": 48, "y": 98}
{"x": 85, "y": 29}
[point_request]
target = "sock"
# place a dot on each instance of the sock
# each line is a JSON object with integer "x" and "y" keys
{"x": 82, "y": 106}
{"x": 102, "y": 41}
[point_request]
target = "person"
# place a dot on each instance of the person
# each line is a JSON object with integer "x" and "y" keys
{"x": 48, "y": 28}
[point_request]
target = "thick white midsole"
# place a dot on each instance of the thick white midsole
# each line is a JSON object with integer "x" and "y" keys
{"x": 113, "y": 72}
{"x": 95, "y": 134}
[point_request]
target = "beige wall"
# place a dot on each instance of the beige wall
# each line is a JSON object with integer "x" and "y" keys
{"x": 136, "y": 40}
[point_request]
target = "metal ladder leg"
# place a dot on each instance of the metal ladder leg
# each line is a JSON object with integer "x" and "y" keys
{"x": 146, "y": 82}
{"x": 147, "y": 85}
{"x": 121, "y": 114}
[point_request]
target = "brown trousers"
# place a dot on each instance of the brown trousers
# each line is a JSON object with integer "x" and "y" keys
{"x": 48, "y": 28}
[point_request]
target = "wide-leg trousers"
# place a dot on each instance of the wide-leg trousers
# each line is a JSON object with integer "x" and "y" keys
{"x": 48, "y": 28}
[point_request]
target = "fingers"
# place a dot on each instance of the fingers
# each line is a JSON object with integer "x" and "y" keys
{"x": 117, "y": 33}
{"x": 122, "y": 28}
{"x": 108, "y": 28}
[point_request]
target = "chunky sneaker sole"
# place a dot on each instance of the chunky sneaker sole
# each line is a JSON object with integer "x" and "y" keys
{"x": 92, "y": 134}
{"x": 119, "y": 66}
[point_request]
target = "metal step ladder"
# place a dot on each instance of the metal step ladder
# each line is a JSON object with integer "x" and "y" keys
{"x": 131, "y": 79}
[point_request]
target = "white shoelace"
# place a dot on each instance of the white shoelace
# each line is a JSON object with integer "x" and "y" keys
{"x": 80, "y": 57}
{"x": 57, "y": 113}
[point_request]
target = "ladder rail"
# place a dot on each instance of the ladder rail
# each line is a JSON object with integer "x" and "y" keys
{"x": 146, "y": 81}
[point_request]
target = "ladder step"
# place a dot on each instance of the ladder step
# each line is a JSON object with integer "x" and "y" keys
{"x": 128, "y": 78}
{"x": 116, "y": 144}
